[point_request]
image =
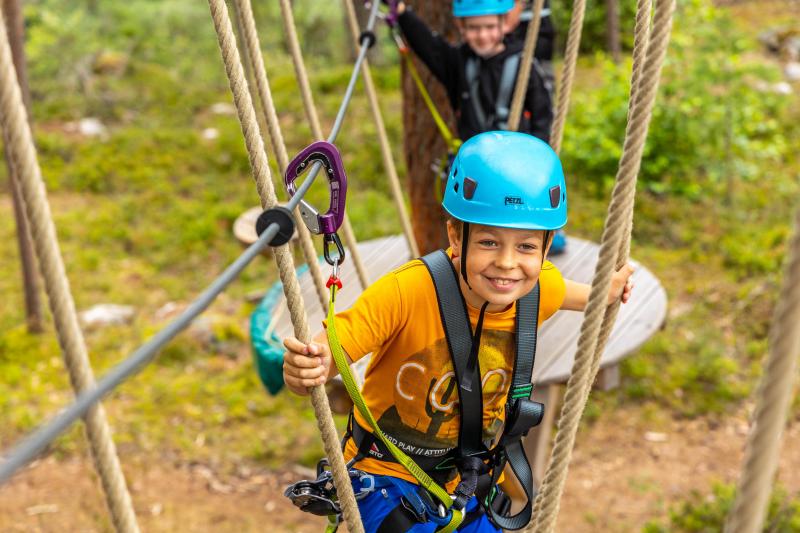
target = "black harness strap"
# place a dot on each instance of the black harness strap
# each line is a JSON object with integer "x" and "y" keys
{"x": 521, "y": 412}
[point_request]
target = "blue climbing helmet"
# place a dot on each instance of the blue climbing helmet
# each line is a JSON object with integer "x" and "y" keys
{"x": 507, "y": 179}
{"x": 477, "y": 8}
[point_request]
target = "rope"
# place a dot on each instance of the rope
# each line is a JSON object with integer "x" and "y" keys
{"x": 531, "y": 35}
{"x": 383, "y": 138}
{"x": 617, "y": 222}
{"x": 316, "y": 129}
{"x": 244, "y": 11}
{"x": 774, "y": 397}
{"x": 568, "y": 73}
{"x": 30, "y": 280}
{"x": 70, "y": 338}
{"x": 294, "y": 300}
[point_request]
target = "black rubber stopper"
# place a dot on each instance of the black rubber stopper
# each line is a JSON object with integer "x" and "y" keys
{"x": 280, "y": 216}
{"x": 369, "y": 37}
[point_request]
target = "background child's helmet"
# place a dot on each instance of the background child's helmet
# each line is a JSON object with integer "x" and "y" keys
{"x": 477, "y": 8}
{"x": 507, "y": 179}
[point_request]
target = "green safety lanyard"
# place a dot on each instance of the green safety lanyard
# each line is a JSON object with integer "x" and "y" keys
{"x": 350, "y": 384}
{"x": 453, "y": 142}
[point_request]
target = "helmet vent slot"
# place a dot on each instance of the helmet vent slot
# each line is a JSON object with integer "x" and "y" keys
{"x": 555, "y": 196}
{"x": 469, "y": 188}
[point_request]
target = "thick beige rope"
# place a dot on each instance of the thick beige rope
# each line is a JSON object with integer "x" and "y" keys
{"x": 244, "y": 11}
{"x": 316, "y": 129}
{"x": 291, "y": 288}
{"x": 774, "y": 397}
{"x": 15, "y": 125}
{"x": 618, "y": 222}
{"x": 568, "y": 73}
{"x": 641, "y": 37}
{"x": 383, "y": 138}
{"x": 525, "y": 69}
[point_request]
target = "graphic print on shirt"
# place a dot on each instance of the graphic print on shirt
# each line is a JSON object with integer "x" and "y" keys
{"x": 425, "y": 410}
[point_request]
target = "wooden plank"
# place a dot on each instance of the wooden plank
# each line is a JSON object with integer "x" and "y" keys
{"x": 636, "y": 321}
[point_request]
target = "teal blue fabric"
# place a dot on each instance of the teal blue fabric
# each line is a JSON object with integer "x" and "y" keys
{"x": 507, "y": 179}
{"x": 268, "y": 351}
{"x": 477, "y": 8}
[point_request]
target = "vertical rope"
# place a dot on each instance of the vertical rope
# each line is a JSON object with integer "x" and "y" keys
{"x": 244, "y": 11}
{"x": 618, "y": 221}
{"x": 30, "y": 280}
{"x": 258, "y": 161}
{"x": 70, "y": 338}
{"x": 316, "y": 129}
{"x": 773, "y": 398}
{"x": 524, "y": 75}
{"x": 568, "y": 73}
{"x": 383, "y": 138}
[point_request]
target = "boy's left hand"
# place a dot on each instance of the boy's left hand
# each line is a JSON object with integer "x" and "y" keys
{"x": 621, "y": 285}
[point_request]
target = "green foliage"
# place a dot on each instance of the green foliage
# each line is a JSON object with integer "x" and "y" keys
{"x": 594, "y": 36}
{"x": 706, "y": 513}
{"x": 716, "y": 118}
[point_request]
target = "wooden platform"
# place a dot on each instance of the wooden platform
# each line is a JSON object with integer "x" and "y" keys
{"x": 636, "y": 321}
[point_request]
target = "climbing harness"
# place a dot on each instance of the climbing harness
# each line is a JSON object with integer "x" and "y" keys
{"x": 498, "y": 120}
{"x": 478, "y": 463}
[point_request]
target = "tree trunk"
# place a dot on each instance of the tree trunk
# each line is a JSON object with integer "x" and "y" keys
{"x": 423, "y": 144}
{"x": 12, "y": 11}
{"x": 612, "y": 27}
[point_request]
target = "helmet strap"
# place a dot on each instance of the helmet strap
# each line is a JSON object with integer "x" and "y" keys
{"x": 545, "y": 238}
{"x": 464, "y": 247}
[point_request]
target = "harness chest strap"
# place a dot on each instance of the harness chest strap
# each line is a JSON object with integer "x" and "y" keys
{"x": 504, "y": 92}
{"x": 521, "y": 413}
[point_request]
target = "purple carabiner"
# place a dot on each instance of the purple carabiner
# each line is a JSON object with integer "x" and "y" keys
{"x": 328, "y": 156}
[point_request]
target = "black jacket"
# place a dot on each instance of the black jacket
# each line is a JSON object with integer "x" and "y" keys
{"x": 448, "y": 65}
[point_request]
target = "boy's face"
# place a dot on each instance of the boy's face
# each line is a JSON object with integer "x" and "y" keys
{"x": 503, "y": 264}
{"x": 484, "y": 34}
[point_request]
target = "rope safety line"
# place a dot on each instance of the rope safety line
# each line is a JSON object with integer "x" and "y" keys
{"x": 640, "y": 40}
{"x": 258, "y": 161}
{"x": 531, "y": 35}
{"x": 773, "y": 399}
{"x": 244, "y": 11}
{"x": 617, "y": 222}
{"x": 313, "y": 117}
{"x": 640, "y": 51}
{"x": 383, "y": 138}
{"x": 23, "y": 153}
{"x": 568, "y": 73}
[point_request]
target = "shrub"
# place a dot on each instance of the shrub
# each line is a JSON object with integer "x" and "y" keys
{"x": 715, "y": 118}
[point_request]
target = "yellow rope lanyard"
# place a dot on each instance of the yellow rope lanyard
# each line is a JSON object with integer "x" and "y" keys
{"x": 453, "y": 143}
{"x": 339, "y": 357}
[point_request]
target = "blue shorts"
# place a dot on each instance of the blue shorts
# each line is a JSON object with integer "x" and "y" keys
{"x": 385, "y": 497}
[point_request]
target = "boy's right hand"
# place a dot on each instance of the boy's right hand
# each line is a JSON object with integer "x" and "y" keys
{"x": 305, "y": 365}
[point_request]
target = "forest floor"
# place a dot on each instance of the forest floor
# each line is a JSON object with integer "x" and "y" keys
{"x": 624, "y": 472}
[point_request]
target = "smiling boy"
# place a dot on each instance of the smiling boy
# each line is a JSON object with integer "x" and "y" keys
{"x": 506, "y": 195}
{"x": 479, "y": 74}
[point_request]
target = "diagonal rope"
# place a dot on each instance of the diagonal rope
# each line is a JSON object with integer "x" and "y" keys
{"x": 244, "y": 10}
{"x": 316, "y": 130}
{"x": 618, "y": 221}
{"x": 22, "y": 151}
{"x": 568, "y": 73}
{"x": 258, "y": 161}
{"x": 774, "y": 397}
{"x": 524, "y": 76}
{"x": 383, "y": 138}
